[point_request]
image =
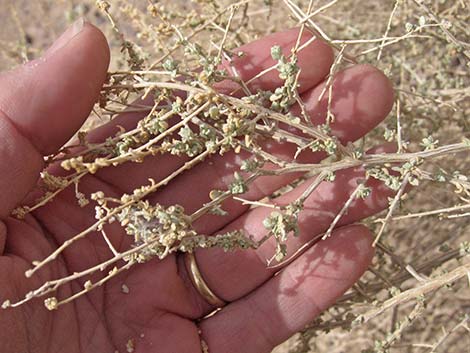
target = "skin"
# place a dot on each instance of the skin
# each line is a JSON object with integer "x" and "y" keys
{"x": 44, "y": 102}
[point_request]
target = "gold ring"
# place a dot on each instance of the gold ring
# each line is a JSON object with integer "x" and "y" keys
{"x": 199, "y": 283}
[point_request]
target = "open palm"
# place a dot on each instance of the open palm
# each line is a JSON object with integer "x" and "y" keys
{"x": 153, "y": 307}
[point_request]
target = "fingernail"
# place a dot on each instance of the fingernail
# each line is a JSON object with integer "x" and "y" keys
{"x": 66, "y": 37}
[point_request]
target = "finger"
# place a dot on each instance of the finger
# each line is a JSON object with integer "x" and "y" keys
{"x": 363, "y": 97}
{"x": 3, "y": 237}
{"x": 293, "y": 298}
{"x": 314, "y": 62}
{"x": 44, "y": 102}
{"x": 232, "y": 275}
{"x": 48, "y": 99}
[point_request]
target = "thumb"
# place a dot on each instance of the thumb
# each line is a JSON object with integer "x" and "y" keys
{"x": 43, "y": 103}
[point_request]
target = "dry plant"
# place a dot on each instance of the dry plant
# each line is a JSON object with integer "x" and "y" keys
{"x": 170, "y": 56}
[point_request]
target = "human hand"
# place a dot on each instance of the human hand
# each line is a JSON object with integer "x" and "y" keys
{"x": 42, "y": 105}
